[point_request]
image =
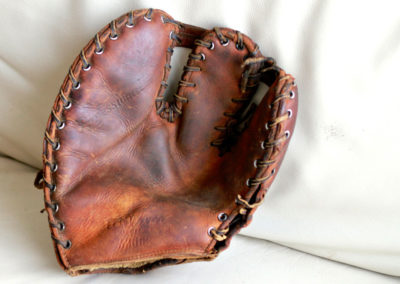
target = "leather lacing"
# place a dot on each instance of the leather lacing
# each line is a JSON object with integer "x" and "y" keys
{"x": 177, "y": 108}
{"x": 218, "y": 235}
{"x": 201, "y": 57}
{"x": 166, "y": 20}
{"x": 66, "y": 102}
{"x": 187, "y": 68}
{"x": 130, "y": 23}
{"x": 165, "y": 109}
{"x": 99, "y": 45}
{"x": 148, "y": 15}
{"x": 244, "y": 206}
{"x": 113, "y": 33}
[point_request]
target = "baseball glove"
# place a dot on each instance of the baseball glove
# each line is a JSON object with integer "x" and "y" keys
{"x": 135, "y": 179}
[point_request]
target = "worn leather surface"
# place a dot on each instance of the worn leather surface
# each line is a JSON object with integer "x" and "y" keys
{"x": 136, "y": 189}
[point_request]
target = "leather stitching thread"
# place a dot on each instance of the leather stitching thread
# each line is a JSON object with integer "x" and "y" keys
{"x": 178, "y": 99}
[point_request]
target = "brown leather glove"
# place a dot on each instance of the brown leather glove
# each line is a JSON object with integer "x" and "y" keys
{"x": 134, "y": 179}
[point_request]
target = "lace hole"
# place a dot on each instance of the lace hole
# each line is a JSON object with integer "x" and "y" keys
{"x": 76, "y": 86}
{"x": 211, "y": 47}
{"x": 209, "y": 231}
{"x": 54, "y": 167}
{"x": 57, "y": 146}
{"x": 99, "y": 51}
{"x": 68, "y": 244}
{"x": 263, "y": 145}
{"x": 287, "y": 133}
{"x": 255, "y": 163}
{"x": 273, "y": 171}
{"x": 147, "y": 19}
{"x": 113, "y": 37}
{"x": 203, "y": 56}
{"x": 128, "y": 25}
{"x": 68, "y": 105}
{"x": 248, "y": 181}
{"x": 290, "y": 113}
{"x": 61, "y": 125}
{"x": 225, "y": 43}
{"x": 55, "y": 208}
{"x": 87, "y": 68}
{"x": 239, "y": 47}
{"x": 61, "y": 226}
{"x": 292, "y": 94}
{"x": 53, "y": 189}
{"x": 222, "y": 217}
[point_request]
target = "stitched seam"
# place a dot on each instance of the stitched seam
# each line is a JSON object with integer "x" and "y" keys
{"x": 163, "y": 108}
{"x": 185, "y": 81}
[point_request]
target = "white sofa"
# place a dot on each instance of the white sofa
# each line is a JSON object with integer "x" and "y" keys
{"x": 337, "y": 196}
